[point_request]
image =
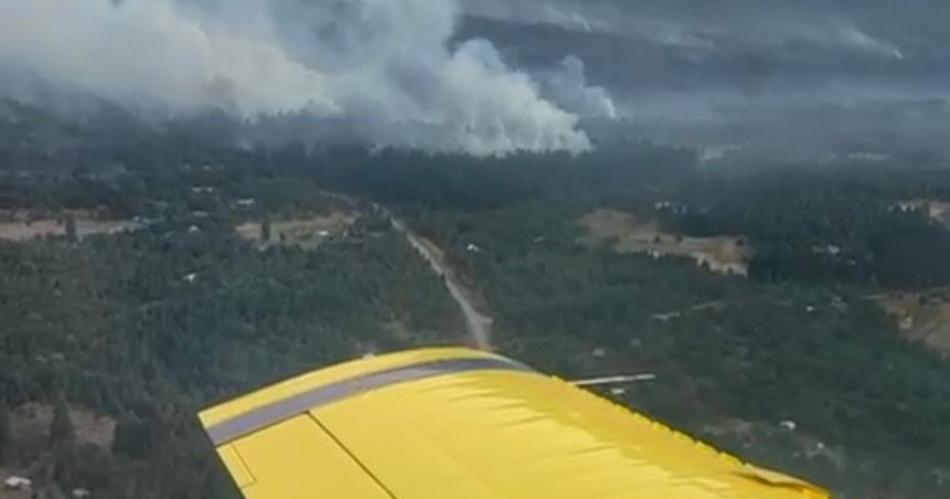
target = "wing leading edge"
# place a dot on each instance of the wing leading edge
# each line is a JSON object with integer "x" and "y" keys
{"x": 456, "y": 423}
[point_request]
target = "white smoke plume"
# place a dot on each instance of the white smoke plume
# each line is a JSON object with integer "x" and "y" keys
{"x": 382, "y": 67}
{"x": 567, "y": 86}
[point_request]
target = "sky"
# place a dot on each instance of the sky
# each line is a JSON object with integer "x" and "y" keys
{"x": 686, "y": 57}
{"x": 859, "y": 24}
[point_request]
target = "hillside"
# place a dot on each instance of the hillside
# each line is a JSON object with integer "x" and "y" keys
{"x": 147, "y": 327}
{"x": 587, "y": 266}
{"x": 812, "y": 380}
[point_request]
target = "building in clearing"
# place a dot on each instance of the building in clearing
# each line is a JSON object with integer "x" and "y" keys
{"x": 17, "y": 483}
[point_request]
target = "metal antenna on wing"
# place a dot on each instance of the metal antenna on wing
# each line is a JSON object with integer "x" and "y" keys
{"x": 615, "y": 380}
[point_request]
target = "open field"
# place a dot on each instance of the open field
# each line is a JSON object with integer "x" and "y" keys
{"x": 18, "y": 227}
{"x": 626, "y": 234}
{"x": 32, "y": 422}
{"x": 306, "y": 232}
{"x": 12, "y": 494}
{"x": 922, "y": 316}
{"x": 30, "y": 432}
{"x": 936, "y": 210}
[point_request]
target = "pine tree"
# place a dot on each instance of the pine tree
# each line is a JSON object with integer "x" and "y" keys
{"x": 61, "y": 431}
{"x": 72, "y": 233}
{"x": 4, "y": 427}
{"x": 133, "y": 438}
{"x": 266, "y": 231}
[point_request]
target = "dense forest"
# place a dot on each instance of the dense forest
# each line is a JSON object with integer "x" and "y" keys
{"x": 866, "y": 217}
{"x": 733, "y": 358}
{"x": 147, "y": 326}
{"x": 792, "y": 213}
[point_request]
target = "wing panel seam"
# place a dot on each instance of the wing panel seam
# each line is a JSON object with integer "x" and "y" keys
{"x": 352, "y": 456}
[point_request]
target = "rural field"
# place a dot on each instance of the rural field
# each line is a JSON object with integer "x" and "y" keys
{"x": 923, "y": 317}
{"x": 304, "y": 232}
{"x": 626, "y": 234}
{"x": 19, "y": 227}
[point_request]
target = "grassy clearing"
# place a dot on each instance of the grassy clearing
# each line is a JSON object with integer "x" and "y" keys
{"x": 922, "y": 316}
{"x": 30, "y": 423}
{"x": 626, "y": 234}
{"x": 306, "y": 232}
{"x": 937, "y": 210}
{"x": 18, "y": 226}
{"x": 30, "y": 431}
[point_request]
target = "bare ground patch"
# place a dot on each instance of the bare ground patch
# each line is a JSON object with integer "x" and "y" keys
{"x": 938, "y": 211}
{"x": 306, "y": 232}
{"x": 10, "y": 493}
{"x": 922, "y": 316}
{"x": 626, "y": 234}
{"x": 30, "y": 423}
{"x": 18, "y": 227}
{"x": 30, "y": 434}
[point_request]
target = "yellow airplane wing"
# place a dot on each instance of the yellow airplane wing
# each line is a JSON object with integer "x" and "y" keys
{"x": 462, "y": 424}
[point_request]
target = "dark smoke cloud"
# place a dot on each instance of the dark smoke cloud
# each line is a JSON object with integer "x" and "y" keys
{"x": 725, "y": 24}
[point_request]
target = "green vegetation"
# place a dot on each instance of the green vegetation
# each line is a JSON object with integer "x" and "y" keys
{"x": 148, "y": 327}
{"x": 867, "y": 405}
{"x": 62, "y": 433}
{"x": 825, "y": 226}
{"x": 266, "y": 231}
{"x": 71, "y": 234}
{"x": 4, "y": 428}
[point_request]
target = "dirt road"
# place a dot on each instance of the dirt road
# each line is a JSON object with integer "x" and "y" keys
{"x": 477, "y": 323}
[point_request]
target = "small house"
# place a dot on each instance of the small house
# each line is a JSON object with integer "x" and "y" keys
{"x": 17, "y": 483}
